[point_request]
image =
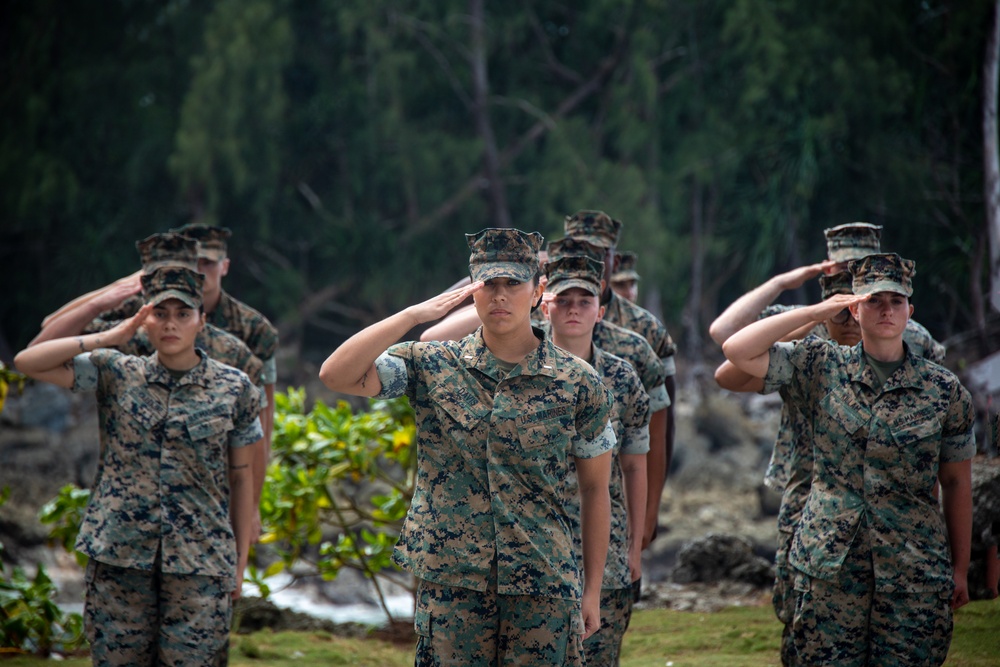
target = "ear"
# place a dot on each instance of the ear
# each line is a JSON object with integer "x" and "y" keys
{"x": 539, "y": 290}
{"x": 854, "y": 311}
{"x": 600, "y": 313}
{"x": 224, "y": 269}
{"x": 910, "y": 316}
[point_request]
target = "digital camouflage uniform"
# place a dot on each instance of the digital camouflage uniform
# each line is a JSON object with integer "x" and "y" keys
{"x": 871, "y": 535}
{"x": 630, "y": 420}
{"x": 157, "y": 528}
{"x": 789, "y": 471}
{"x": 490, "y": 532}
{"x": 626, "y": 268}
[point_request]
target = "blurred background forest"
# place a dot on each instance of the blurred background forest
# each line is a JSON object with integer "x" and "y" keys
{"x": 350, "y": 143}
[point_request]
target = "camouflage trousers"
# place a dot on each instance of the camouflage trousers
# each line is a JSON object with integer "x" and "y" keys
{"x": 783, "y": 596}
{"x": 134, "y": 617}
{"x": 462, "y": 627}
{"x": 602, "y": 649}
{"x": 848, "y": 623}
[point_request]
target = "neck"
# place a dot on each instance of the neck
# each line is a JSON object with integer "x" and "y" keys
{"x": 211, "y": 302}
{"x": 884, "y": 350}
{"x": 580, "y": 346}
{"x": 182, "y": 361}
{"x": 511, "y": 347}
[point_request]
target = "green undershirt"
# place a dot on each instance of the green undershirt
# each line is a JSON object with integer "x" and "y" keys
{"x": 883, "y": 369}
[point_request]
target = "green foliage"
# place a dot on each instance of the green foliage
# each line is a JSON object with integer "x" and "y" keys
{"x": 30, "y": 621}
{"x": 65, "y": 513}
{"x": 9, "y": 377}
{"x": 337, "y": 472}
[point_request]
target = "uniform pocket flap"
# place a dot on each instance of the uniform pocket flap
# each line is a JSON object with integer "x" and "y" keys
{"x": 209, "y": 426}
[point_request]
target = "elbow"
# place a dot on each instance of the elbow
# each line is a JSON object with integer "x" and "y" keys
{"x": 716, "y": 333}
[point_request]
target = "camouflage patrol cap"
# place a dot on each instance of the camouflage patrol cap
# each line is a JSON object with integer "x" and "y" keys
{"x": 504, "y": 253}
{"x": 852, "y": 241}
{"x": 886, "y": 272}
{"x": 626, "y": 267}
{"x": 173, "y": 282}
{"x": 211, "y": 238}
{"x": 569, "y": 271}
{"x": 167, "y": 249}
{"x": 595, "y": 227}
{"x": 575, "y": 247}
{"x": 836, "y": 283}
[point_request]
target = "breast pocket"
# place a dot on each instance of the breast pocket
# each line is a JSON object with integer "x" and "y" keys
{"x": 550, "y": 429}
{"x": 143, "y": 409}
{"x": 918, "y": 443}
{"x": 840, "y": 412}
{"x": 214, "y": 428}
{"x": 459, "y": 411}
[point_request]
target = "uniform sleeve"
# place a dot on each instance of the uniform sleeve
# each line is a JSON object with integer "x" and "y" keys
{"x": 791, "y": 362}
{"x": 635, "y": 419}
{"x": 84, "y": 373}
{"x": 666, "y": 350}
{"x": 246, "y": 418}
{"x": 594, "y": 434}
{"x": 958, "y": 440}
{"x": 269, "y": 373}
{"x": 653, "y": 370}
{"x": 394, "y": 370}
{"x": 919, "y": 338}
{"x": 659, "y": 399}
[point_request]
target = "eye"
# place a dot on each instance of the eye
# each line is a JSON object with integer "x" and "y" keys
{"x": 513, "y": 283}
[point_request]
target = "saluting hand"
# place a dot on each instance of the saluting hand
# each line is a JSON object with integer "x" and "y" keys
{"x": 123, "y": 332}
{"x": 438, "y": 306}
{"x": 797, "y": 277}
{"x": 824, "y": 310}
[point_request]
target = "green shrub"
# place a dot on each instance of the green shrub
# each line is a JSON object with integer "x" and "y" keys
{"x": 30, "y": 621}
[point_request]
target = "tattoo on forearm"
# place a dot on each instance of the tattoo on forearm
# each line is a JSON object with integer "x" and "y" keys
{"x": 79, "y": 339}
{"x": 364, "y": 379}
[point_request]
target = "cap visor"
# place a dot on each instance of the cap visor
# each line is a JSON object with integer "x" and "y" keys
{"x": 186, "y": 298}
{"x": 882, "y": 286}
{"x": 522, "y": 272}
{"x": 211, "y": 254}
{"x": 561, "y": 286}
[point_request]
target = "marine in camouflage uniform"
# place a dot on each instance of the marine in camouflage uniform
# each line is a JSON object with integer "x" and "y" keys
{"x": 599, "y": 230}
{"x": 490, "y": 532}
{"x": 162, "y": 250}
{"x": 630, "y": 418}
{"x": 164, "y": 529}
{"x": 875, "y": 577}
{"x": 790, "y": 469}
{"x": 625, "y": 279}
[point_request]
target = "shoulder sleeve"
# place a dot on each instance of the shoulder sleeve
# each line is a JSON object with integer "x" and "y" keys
{"x": 584, "y": 448}
{"x": 394, "y": 367}
{"x": 246, "y": 418}
{"x": 919, "y": 338}
{"x": 958, "y": 441}
{"x": 84, "y": 373}
{"x": 635, "y": 419}
{"x": 659, "y": 399}
{"x": 787, "y": 360}
{"x": 593, "y": 405}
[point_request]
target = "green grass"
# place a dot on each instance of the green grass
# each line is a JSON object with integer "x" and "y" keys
{"x": 735, "y": 637}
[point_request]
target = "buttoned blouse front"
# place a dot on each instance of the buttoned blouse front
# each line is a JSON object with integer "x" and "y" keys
{"x": 162, "y": 487}
{"x": 876, "y": 457}
{"x": 493, "y": 467}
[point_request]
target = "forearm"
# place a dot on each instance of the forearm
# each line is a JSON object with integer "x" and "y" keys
{"x": 350, "y": 368}
{"x": 745, "y": 309}
{"x": 748, "y": 348}
{"x": 53, "y": 354}
{"x": 634, "y": 474}
{"x": 454, "y": 326}
{"x": 656, "y": 471}
{"x": 595, "y": 517}
{"x": 241, "y": 510}
{"x": 68, "y": 322}
{"x": 956, "y": 496}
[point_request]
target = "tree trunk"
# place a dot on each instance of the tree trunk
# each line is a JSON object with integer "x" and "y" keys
{"x": 499, "y": 213}
{"x": 990, "y": 158}
{"x": 692, "y": 309}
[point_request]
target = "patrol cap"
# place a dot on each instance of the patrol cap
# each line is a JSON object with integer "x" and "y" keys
{"x": 836, "y": 283}
{"x": 173, "y": 282}
{"x": 504, "y": 253}
{"x": 569, "y": 271}
{"x": 167, "y": 249}
{"x": 595, "y": 227}
{"x": 575, "y": 247}
{"x": 211, "y": 238}
{"x": 886, "y": 272}
{"x": 626, "y": 267}
{"x": 852, "y": 241}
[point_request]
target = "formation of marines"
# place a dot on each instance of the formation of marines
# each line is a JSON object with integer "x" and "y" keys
{"x": 545, "y": 433}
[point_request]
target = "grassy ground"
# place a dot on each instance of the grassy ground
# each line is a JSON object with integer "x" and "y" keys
{"x": 736, "y": 637}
